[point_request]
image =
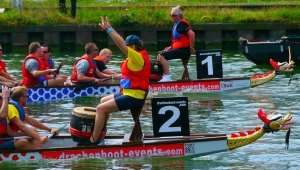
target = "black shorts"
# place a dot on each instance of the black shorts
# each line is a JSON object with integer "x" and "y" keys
{"x": 9, "y": 145}
{"x": 44, "y": 83}
{"x": 176, "y": 53}
{"x": 127, "y": 102}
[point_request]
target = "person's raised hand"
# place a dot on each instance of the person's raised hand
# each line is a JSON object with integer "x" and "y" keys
{"x": 105, "y": 24}
{"x": 5, "y": 92}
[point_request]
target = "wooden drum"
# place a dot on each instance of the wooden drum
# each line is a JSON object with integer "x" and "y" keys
{"x": 82, "y": 124}
{"x": 156, "y": 71}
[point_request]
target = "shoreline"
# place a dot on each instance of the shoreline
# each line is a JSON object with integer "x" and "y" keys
{"x": 73, "y": 37}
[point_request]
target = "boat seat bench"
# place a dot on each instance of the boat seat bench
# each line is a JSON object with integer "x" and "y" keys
{"x": 136, "y": 136}
{"x": 185, "y": 74}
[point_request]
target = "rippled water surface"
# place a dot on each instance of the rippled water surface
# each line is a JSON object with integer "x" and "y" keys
{"x": 209, "y": 113}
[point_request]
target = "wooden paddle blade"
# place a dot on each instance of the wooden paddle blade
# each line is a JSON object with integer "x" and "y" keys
{"x": 291, "y": 78}
{"x": 59, "y": 66}
{"x": 81, "y": 87}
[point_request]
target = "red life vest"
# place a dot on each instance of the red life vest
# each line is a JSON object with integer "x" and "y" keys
{"x": 28, "y": 79}
{"x": 98, "y": 58}
{"x": 46, "y": 65}
{"x": 183, "y": 40}
{"x": 3, "y": 127}
{"x": 3, "y": 130}
{"x": 90, "y": 71}
{"x": 2, "y": 66}
{"x": 136, "y": 79}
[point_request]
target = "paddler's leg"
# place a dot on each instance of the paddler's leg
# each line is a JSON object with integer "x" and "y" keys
{"x": 164, "y": 63}
{"x": 21, "y": 144}
{"x": 104, "y": 99}
{"x": 56, "y": 82}
{"x": 34, "y": 143}
{"x": 102, "y": 110}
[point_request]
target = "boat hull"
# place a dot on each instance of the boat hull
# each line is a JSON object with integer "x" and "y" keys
{"x": 39, "y": 93}
{"x": 260, "y": 53}
{"x": 62, "y": 147}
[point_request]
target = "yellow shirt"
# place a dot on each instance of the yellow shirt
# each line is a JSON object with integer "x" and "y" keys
{"x": 12, "y": 112}
{"x": 135, "y": 63}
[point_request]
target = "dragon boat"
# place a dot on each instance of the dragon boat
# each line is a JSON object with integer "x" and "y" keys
{"x": 194, "y": 145}
{"x": 41, "y": 93}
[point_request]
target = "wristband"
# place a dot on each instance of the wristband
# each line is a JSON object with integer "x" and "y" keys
{"x": 109, "y": 30}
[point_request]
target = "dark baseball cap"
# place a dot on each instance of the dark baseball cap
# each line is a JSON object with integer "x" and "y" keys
{"x": 133, "y": 40}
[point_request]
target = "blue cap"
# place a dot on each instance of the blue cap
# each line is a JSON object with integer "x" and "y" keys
{"x": 133, "y": 40}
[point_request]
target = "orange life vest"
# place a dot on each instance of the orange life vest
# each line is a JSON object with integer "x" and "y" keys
{"x": 180, "y": 40}
{"x": 136, "y": 79}
{"x": 28, "y": 79}
{"x": 98, "y": 58}
{"x": 90, "y": 71}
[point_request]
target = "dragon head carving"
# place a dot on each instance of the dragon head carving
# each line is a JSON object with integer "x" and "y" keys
{"x": 276, "y": 122}
{"x": 283, "y": 67}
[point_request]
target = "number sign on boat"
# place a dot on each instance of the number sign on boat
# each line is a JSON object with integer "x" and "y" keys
{"x": 209, "y": 64}
{"x": 170, "y": 116}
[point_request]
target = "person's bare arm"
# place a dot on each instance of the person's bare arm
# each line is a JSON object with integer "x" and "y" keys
{"x": 39, "y": 73}
{"x": 7, "y": 76}
{"x": 23, "y": 128}
{"x": 35, "y": 123}
{"x": 5, "y": 100}
{"x": 14, "y": 133}
{"x": 110, "y": 72}
{"x": 192, "y": 41}
{"x": 119, "y": 41}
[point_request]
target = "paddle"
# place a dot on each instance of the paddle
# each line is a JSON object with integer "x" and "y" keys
{"x": 53, "y": 134}
{"x": 28, "y": 137}
{"x": 78, "y": 88}
{"x": 59, "y": 66}
{"x": 290, "y": 57}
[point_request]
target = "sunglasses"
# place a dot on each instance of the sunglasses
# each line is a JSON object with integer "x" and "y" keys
{"x": 26, "y": 96}
{"x": 172, "y": 15}
{"x": 96, "y": 50}
{"x": 45, "y": 52}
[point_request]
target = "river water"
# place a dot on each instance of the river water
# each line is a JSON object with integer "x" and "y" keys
{"x": 209, "y": 113}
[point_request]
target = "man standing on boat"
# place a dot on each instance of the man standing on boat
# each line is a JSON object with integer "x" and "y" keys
{"x": 134, "y": 81}
{"x": 35, "y": 72}
{"x": 183, "y": 40}
{"x": 102, "y": 59}
{"x": 85, "y": 69}
{"x": 3, "y": 71}
{"x": 17, "y": 118}
{"x": 6, "y": 131}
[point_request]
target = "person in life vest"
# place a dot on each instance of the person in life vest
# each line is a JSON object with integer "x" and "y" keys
{"x": 85, "y": 69}
{"x": 134, "y": 82}
{"x": 34, "y": 70}
{"x": 102, "y": 60}
{"x": 49, "y": 63}
{"x": 3, "y": 71}
{"x": 17, "y": 118}
{"x": 183, "y": 40}
{"x": 5, "y": 130}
